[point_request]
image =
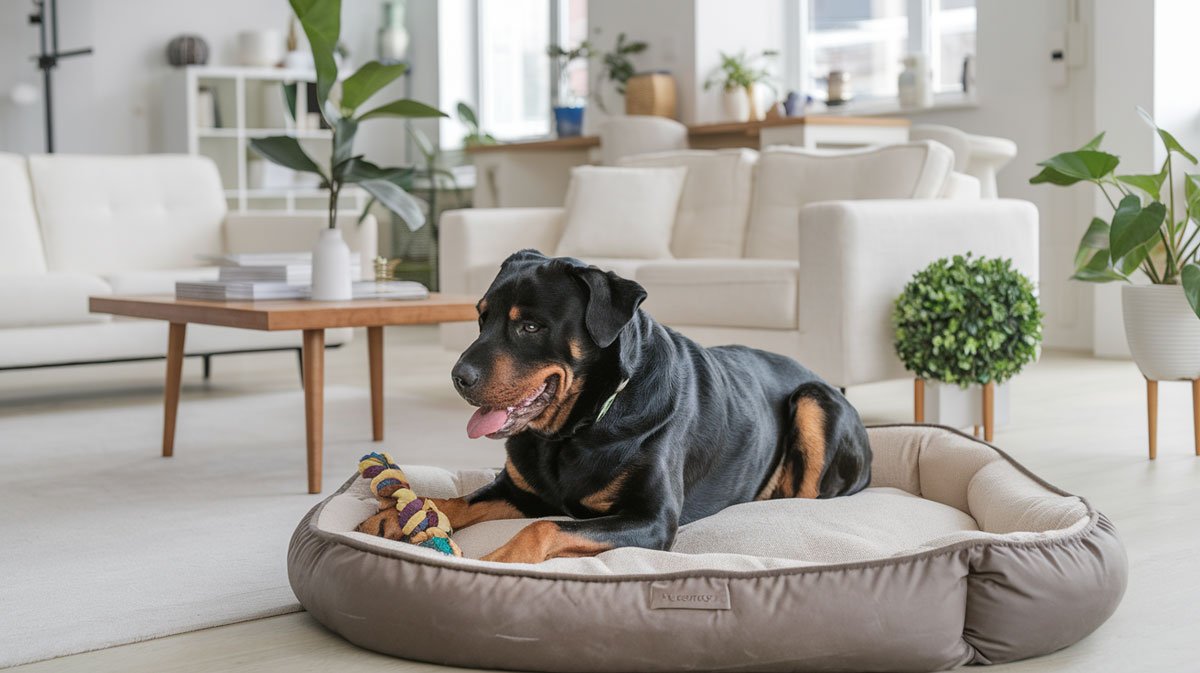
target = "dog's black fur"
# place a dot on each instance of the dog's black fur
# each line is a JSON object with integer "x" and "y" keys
{"x": 694, "y": 430}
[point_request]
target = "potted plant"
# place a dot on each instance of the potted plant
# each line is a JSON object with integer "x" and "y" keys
{"x": 618, "y": 67}
{"x": 321, "y": 20}
{"x": 972, "y": 324}
{"x": 1148, "y": 233}
{"x": 568, "y": 109}
{"x": 739, "y": 76}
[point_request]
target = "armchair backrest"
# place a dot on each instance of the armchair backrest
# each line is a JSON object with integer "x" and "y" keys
{"x": 789, "y": 178}
{"x": 101, "y": 214}
{"x": 629, "y": 135}
{"x": 20, "y": 241}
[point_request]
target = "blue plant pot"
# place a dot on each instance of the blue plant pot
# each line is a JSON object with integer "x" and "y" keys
{"x": 568, "y": 121}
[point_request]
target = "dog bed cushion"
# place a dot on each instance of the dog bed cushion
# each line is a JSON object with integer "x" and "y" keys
{"x": 954, "y": 555}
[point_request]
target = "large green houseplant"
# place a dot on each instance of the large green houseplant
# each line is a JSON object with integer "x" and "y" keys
{"x": 1153, "y": 230}
{"x": 339, "y": 102}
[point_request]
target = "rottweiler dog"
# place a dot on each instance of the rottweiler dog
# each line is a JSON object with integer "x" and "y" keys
{"x": 629, "y": 427}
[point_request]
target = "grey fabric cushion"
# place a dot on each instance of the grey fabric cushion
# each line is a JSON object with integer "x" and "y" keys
{"x": 955, "y": 555}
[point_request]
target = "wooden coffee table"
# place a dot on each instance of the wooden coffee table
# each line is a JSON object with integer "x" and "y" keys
{"x": 313, "y": 318}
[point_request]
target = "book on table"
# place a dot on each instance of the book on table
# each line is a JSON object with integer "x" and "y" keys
{"x": 223, "y": 290}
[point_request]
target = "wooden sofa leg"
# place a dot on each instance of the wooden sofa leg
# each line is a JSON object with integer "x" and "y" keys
{"x": 1152, "y": 416}
{"x": 918, "y": 400}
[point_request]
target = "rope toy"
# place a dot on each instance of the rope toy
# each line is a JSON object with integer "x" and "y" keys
{"x": 417, "y": 520}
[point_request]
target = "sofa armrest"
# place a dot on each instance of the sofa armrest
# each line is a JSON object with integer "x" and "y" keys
{"x": 297, "y": 232}
{"x": 857, "y": 256}
{"x": 486, "y": 236}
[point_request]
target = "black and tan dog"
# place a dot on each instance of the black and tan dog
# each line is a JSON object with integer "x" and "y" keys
{"x": 629, "y": 427}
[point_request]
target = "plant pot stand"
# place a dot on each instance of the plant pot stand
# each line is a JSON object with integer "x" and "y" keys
{"x": 988, "y": 410}
{"x": 1152, "y": 415}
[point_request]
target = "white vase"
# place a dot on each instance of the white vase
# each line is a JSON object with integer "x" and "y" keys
{"x": 260, "y": 48}
{"x": 737, "y": 105}
{"x": 948, "y": 404}
{"x": 1163, "y": 331}
{"x": 331, "y": 279}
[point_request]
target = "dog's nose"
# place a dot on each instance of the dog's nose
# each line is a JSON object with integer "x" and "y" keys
{"x": 465, "y": 376}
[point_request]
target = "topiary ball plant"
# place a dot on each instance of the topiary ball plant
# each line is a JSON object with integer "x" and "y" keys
{"x": 967, "y": 321}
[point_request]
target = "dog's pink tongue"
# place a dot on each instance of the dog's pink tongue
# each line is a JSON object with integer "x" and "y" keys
{"x": 486, "y": 421}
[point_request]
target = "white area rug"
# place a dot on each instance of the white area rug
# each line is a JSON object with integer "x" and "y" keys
{"x": 103, "y": 542}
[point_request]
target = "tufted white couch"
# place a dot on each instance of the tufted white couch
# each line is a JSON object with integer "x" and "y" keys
{"x": 72, "y": 227}
{"x": 795, "y": 251}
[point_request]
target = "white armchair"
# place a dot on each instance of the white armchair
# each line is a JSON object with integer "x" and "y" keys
{"x": 808, "y": 265}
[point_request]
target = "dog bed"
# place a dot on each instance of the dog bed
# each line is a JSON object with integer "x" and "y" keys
{"x": 955, "y": 555}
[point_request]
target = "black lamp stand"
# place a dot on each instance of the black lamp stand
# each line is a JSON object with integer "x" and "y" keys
{"x": 47, "y": 60}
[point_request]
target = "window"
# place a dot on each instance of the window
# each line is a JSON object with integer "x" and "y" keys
{"x": 515, "y": 78}
{"x": 868, "y": 40}
{"x": 953, "y": 33}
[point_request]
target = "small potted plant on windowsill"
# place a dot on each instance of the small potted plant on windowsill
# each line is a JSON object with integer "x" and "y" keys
{"x": 969, "y": 324}
{"x": 739, "y": 76}
{"x": 1154, "y": 230}
{"x": 321, "y": 20}
{"x": 569, "y": 106}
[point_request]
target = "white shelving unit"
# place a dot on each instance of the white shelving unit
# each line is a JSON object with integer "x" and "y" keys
{"x": 249, "y": 103}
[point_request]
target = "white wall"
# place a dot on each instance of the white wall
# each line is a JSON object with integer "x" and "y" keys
{"x": 669, "y": 28}
{"x": 110, "y": 102}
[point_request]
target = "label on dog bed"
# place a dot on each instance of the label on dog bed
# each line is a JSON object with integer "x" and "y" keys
{"x": 690, "y": 594}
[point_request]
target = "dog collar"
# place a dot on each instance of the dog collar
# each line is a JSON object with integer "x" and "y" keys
{"x": 608, "y": 403}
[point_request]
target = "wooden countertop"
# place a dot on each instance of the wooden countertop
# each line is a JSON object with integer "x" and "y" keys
{"x": 748, "y": 129}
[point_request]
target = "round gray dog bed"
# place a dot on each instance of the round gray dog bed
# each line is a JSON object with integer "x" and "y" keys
{"x": 955, "y": 554}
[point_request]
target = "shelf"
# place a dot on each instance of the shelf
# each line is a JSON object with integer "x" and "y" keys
{"x": 242, "y": 72}
{"x": 296, "y": 193}
{"x": 317, "y": 134}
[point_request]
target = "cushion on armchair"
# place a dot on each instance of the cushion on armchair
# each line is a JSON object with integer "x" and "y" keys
{"x": 715, "y": 204}
{"x": 621, "y": 212}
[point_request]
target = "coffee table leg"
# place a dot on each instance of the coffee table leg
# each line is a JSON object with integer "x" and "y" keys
{"x": 375, "y": 355}
{"x": 314, "y": 403}
{"x": 175, "y": 339}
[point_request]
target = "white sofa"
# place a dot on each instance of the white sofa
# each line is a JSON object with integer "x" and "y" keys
{"x": 72, "y": 227}
{"x": 793, "y": 251}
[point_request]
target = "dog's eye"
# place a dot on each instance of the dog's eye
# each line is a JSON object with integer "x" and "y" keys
{"x": 530, "y": 327}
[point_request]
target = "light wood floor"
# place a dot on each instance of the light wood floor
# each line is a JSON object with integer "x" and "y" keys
{"x": 1077, "y": 421}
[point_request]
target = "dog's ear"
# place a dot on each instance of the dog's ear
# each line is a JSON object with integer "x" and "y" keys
{"x": 612, "y": 303}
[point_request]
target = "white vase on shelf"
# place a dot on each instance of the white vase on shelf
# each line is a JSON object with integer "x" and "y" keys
{"x": 331, "y": 279}
{"x": 737, "y": 105}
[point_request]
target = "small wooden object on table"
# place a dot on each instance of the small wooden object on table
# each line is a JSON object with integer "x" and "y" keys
{"x": 311, "y": 317}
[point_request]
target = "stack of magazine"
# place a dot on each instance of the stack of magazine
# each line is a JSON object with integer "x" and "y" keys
{"x": 259, "y": 276}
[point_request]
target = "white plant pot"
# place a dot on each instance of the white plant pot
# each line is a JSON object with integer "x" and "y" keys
{"x": 737, "y": 105}
{"x": 1162, "y": 330}
{"x": 331, "y": 279}
{"x": 947, "y": 404}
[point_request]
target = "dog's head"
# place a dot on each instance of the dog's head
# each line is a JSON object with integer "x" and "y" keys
{"x": 546, "y": 328}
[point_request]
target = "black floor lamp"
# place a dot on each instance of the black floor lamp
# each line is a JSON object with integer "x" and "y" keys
{"x": 47, "y": 60}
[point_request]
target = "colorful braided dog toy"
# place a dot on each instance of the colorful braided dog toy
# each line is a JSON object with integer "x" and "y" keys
{"x": 419, "y": 520}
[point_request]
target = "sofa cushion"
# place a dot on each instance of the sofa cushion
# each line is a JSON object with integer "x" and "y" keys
{"x": 103, "y": 214}
{"x": 715, "y": 204}
{"x": 35, "y": 299}
{"x": 621, "y": 212}
{"x": 20, "y": 240}
{"x": 161, "y": 281}
{"x": 757, "y": 293}
{"x": 790, "y": 178}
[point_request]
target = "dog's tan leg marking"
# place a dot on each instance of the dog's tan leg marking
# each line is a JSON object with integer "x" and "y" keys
{"x": 810, "y": 421}
{"x": 544, "y": 540}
